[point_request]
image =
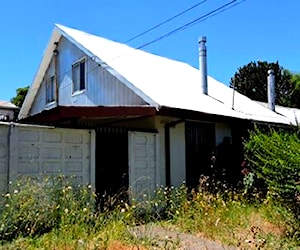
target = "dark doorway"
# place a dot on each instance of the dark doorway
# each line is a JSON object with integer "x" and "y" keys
{"x": 111, "y": 162}
{"x": 200, "y": 144}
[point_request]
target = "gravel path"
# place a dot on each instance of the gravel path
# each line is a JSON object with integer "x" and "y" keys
{"x": 163, "y": 238}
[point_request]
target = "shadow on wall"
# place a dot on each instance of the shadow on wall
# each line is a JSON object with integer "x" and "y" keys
{"x": 225, "y": 164}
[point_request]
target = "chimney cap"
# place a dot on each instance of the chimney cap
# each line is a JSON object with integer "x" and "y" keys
{"x": 270, "y": 72}
{"x": 202, "y": 39}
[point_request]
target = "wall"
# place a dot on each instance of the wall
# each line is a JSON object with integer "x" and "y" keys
{"x": 3, "y": 156}
{"x": 222, "y": 130}
{"x": 35, "y": 150}
{"x": 102, "y": 88}
{"x": 9, "y": 113}
{"x": 177, "y": 154}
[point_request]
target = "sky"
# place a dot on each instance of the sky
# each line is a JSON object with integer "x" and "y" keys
{"x": 253, "y": 30}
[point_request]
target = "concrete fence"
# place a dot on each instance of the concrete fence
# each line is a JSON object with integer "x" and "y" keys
{"x": 30, "y": 150}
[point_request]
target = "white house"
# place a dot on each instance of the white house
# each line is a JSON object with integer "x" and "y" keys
{"x": 157, "y": 120}
{"x": 7, "y": 111}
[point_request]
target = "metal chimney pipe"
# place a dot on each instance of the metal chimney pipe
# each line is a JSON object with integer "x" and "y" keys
{"x": 271, "y": 89}
{"x": 203, "y": 64}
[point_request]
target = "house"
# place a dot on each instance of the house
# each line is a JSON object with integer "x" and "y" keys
{"x": 7, "y": 111}
{"x": 157, "y": 121}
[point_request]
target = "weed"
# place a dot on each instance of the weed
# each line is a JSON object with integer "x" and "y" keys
{"x": 54, "y": 213}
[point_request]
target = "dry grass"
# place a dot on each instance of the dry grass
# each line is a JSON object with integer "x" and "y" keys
{"x": 223, "y": 218}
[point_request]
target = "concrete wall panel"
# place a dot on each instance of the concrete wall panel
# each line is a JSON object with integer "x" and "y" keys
{"x": 3, "y": 157}
{"x": 27, "y": 150}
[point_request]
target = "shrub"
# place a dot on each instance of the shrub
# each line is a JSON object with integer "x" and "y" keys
{"x": 36, "y": 205}
{"x": 274, "y": 157}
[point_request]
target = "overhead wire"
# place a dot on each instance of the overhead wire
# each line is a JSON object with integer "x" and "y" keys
{"x": 202, "y": 18}
{"x": 183, "y": 27}
{"x": 164, "y": 22}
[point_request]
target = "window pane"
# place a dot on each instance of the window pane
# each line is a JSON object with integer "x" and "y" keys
{"x": 50, "y": 90}
{"x": 76, "y": 77}
{"x": 82, "y": 75}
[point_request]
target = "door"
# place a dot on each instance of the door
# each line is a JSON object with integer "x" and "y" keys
{"x": 200, "y": 144}
{"x": 111, "y": 162}
{"x": 142, "y": 163}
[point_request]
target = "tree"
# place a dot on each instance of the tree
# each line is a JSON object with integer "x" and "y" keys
{"x": 296, "y": 93}
{"x": 251, "y": 80}
{"x": 20, "y": 97}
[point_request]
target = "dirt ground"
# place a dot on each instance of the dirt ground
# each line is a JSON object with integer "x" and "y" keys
{"x": 162, "y": 238}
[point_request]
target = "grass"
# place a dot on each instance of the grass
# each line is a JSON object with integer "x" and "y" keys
{"x": 53, "y": 213}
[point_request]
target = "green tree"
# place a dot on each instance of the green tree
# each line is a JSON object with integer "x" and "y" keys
{"x": 296, "y": 93}
{"x": 20, "y": 97}
{"x": 251, "y": 80}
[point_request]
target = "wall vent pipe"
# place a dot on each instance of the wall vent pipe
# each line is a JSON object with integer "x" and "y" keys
{"x": 203, "y": 65}
{"x": 271, "y": 89}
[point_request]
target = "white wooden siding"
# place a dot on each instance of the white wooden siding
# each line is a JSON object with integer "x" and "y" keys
{"x": 102, "y": 88}
{"x": 40, "y": 101}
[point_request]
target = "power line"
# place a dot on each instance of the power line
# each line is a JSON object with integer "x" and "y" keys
{"x": 202, "y": 18}
{"x": 164, "y": 22}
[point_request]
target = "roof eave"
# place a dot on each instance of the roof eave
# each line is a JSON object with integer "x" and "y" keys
{"x": 34, "y": 87}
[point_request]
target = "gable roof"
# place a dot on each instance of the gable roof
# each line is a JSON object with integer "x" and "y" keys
{"x": 159, "y": 81}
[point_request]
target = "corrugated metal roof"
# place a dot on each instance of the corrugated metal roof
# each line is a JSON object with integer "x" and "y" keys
{"x": 292, "y": 113}
{"x": 158, "y": 80}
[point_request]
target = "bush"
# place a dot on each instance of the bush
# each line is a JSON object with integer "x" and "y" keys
{"x": 274, "y": 157}
{"x": 36, "y": 205}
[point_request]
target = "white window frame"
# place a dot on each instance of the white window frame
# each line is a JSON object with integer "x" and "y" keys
{"x": 77, "y": 85}
{"x": 50, "y": 90}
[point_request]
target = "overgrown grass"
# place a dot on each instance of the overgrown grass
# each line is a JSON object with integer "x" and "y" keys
{"x": 52, "y": 213}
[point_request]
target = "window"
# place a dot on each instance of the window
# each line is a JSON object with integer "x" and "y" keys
{"x": 50, "y": 89}
{"x": 78, "y": 75}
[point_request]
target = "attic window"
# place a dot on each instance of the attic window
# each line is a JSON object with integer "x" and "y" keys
{"x": 50, "y": 90}
{"x": 78, "y": 75}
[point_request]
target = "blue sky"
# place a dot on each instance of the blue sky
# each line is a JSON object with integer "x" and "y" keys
{"x": 251, "y": 31}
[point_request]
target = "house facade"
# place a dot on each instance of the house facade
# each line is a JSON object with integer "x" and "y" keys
{"x": 8, "y": 111}
{"x": 153, "y": 123}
